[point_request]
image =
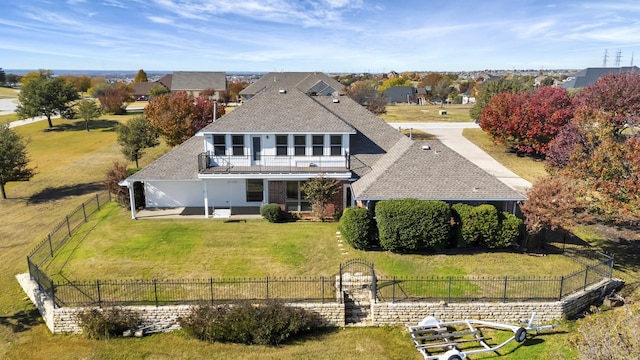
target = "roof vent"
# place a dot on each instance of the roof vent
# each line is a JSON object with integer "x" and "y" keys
{"x": 475, "y": 189}
{"x": 282, "y": 91}
{"x": 335, "y": 101}
{"x": 426, "y": 147}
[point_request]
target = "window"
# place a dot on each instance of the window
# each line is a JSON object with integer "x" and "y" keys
{"x": 295, "y": 197}
{"x": 255, "y": 190}
{"x": 336, "y": 145}
{"x": 237, "y": 142}
{"x": 282, "y": 143}
{"x": 300, "y": 145}
{"x": 318, "y": 145}
{"x": 219, "y": 145}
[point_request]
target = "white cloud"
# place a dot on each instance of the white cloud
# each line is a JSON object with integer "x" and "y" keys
{"x": 160, "y": 20}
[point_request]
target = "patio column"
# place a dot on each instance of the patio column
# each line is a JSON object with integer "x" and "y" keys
{"x": 132, "y": 200}
{"x": 206, "y": 199}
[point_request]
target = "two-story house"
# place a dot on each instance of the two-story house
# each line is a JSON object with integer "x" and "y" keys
{"x": 282, "y": 136}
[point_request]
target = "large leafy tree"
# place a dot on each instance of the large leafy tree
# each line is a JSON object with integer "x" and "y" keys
{"x": 617, "y": 95}
{"x": 234, "y": 88}
{"x": 364, "y": 93}
{"x": 13, "y": 158}
{"x": 42, "y": 95}
{"x": 527, "y": 121}
{"x": 88, "y": 110}
{"x": 135, "y": 136}
{"x": 179, "y": 116}
{"x": 3, "y": 77}
{"x": 491, "y": 88}
{"x": 393, "y": 82}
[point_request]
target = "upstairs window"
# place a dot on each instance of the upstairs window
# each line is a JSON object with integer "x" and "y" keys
{"x": 219, "y": 145}
{"x": 282, "y": 143}
{"x": 336, "y": 145}
{"x": 318, "y": 145}
{"x": 300, "y": 145}
{"x": 237, "y": 143}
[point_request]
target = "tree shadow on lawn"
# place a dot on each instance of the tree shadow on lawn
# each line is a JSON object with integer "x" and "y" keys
{"x": 57, "y": 193}
{"x": 22, "y": 320}
{"x": 79, "y": 125}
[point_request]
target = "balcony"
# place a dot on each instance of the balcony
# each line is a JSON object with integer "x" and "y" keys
{"x": 269, "y": 164}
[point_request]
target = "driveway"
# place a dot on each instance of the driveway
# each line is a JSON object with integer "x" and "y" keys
{"x": 450, "y": 134}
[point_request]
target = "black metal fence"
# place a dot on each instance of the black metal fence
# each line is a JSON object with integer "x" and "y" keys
{"x": 597, "y": 266}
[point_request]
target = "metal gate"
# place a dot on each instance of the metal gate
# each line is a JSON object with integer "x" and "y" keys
{"x": 357, "y": 272}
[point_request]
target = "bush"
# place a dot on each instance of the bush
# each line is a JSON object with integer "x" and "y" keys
{"x": 266, "y": 324}
{"x": 271, "y": 212}
{"x": 410, "y": 224}
{"x": 463, "y": 229}
{"x": 356, "y": 227}
{"x": 486, "y": 223}
{"x": 104, "y": 324}
{"x": 510, "y": 226}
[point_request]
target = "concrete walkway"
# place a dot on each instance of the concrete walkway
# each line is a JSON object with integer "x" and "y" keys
{"x": 450, "y": 134}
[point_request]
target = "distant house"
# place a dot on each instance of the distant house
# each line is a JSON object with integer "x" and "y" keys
{"x": 141, "y": 90}
{"x": 589, "y": 76}
{"x": 281, "y": 137}
{"x": 314, "y": 83}
{"x": 194, "y": 82}
{"x": 401, "y": 94}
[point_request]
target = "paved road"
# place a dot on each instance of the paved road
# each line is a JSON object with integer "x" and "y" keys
{"x": 8, "y": 106}
{"x": 450, "y": 134}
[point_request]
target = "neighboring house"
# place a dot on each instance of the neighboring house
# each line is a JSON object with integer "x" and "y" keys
{"x": 194, "y": 82}
{"x": 401, "y": 94}
{"x": 467, "y": 98}
{"x": 589, "y": 76}
{"x": 265, "y": 149}
{"x": 141, "y": 90}
{"x": 308, "y": 82}
{"x": 423, "y": 94}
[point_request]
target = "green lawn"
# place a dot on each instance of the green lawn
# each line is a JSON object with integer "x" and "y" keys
{"x": 426, "y": 113}
{"x": 8, "y": 93}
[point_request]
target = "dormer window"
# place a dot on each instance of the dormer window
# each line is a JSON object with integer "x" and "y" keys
{"x": 237, "y": 143}
{"x": 336, "y": 145}
{"x": 318, "y": 145}
{"x": 282, "y": 144}
{"x": 219, "y": 145}
{"x": 300, "y": 145}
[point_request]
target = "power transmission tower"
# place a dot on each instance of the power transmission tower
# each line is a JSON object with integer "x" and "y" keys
{"x": 618, "y": 57}
{"x": 604, "y": 58}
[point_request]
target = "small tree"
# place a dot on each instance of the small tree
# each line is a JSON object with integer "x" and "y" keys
{"x": 115, "y": 175}
{"x": 136, "y": 135}
{"x": 115, "y": 97}
{"x": 13, "y": 158}
{"x": 157, "y": 90}
{"x": 141, "y": 76}
{"x": 88, "y": 110}
{"x": 319, "y": 191}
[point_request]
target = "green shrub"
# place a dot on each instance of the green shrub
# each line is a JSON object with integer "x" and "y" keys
{"x": 271, "y": 212}
{"x": 107, "y": 323}
{"x": 409, "y": 224}
{"x": 486, "y": 223}
{"x": 356, "y": 227}
{"x": 510, "y": 226}
{"x": 266, "y": 324}
{"x": 464, "y": 230}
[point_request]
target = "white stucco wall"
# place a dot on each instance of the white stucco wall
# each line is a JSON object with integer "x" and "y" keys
{"x": 221, "y": 193}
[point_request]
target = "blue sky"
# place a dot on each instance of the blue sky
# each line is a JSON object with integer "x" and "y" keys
{"x": 316, "y": 35}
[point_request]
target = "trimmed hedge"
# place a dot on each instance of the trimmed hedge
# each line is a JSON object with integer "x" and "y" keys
{"x": 463, "y": 229}
{"x": 510, "y": 226}
{"x": 272, "y": 212}
{"x": 356, "y": 227}
{"x": 108, "y": 323}
{"x": 486, "y": 223}
{"x": 409, "y": 225}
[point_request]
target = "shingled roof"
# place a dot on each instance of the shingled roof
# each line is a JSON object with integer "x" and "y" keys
{"x": 180, "y": 163}
{"x": 280, "y": 110}
{"x": 589, "y": 76}
{"x": 319, "y": 83}
{"x": 198, "y": 80}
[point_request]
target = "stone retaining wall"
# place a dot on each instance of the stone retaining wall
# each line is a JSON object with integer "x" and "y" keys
{"x": 64, "y": 320}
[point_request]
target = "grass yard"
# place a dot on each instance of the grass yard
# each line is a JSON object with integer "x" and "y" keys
{"x": 8, "y": 93}
{"x": 426, "y": 113}
{"x": 526, "y": 167}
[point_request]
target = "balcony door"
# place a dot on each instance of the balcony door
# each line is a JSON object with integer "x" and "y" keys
{"x": 256, "y": 149}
